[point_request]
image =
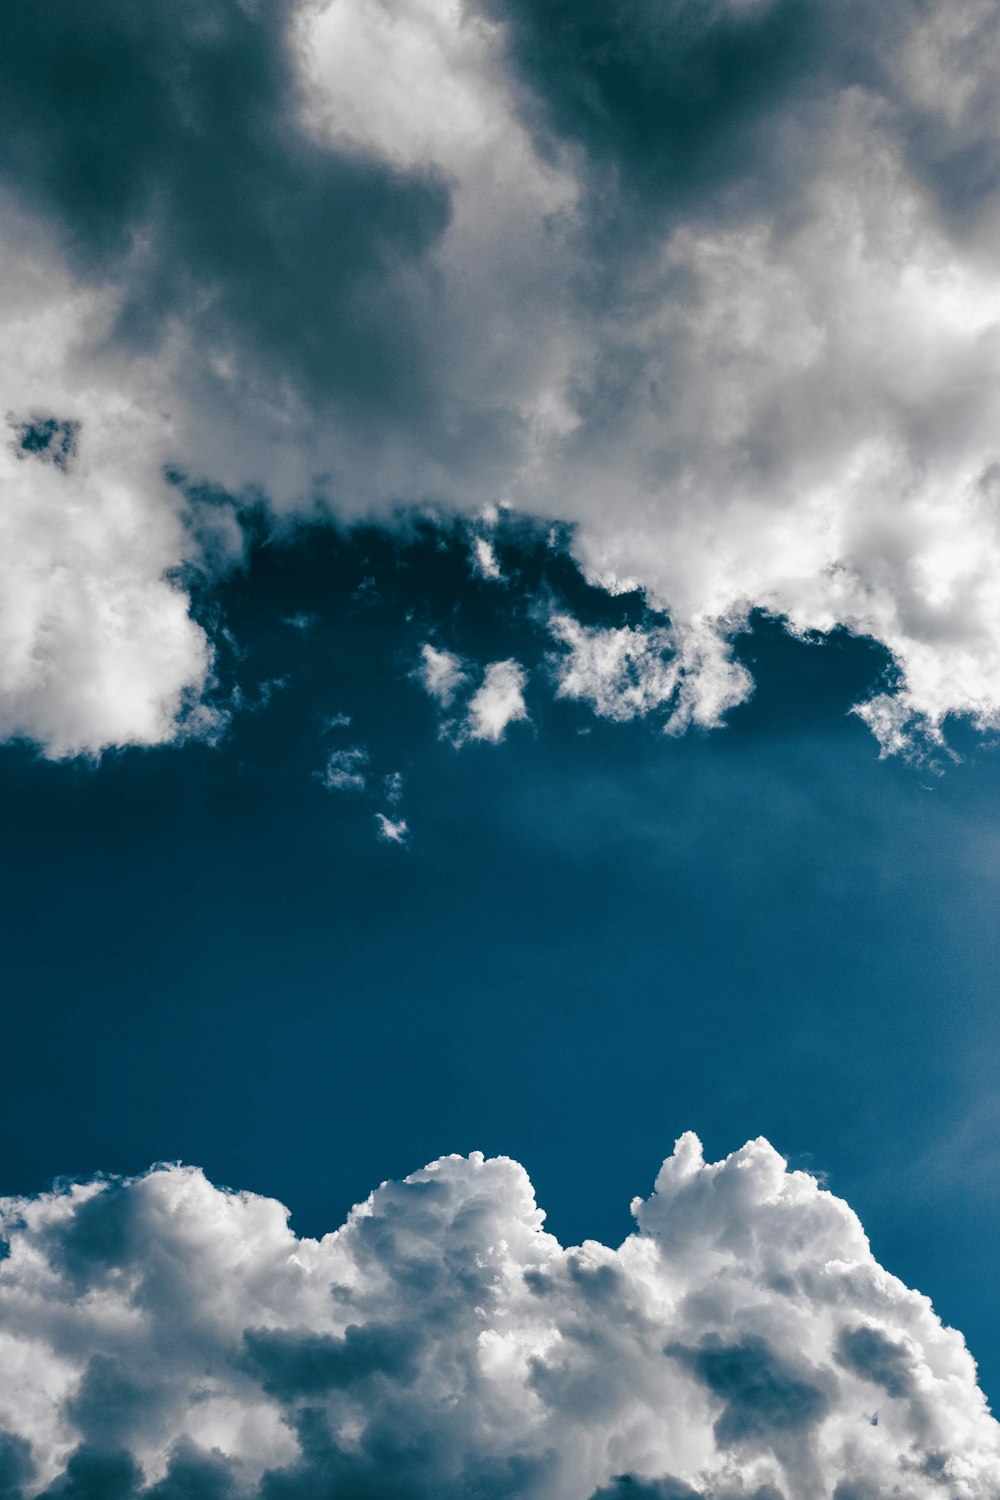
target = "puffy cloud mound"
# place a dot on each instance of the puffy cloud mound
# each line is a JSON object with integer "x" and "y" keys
{"x": 717, "y": 285}
{"x": 495, "y": 704}
{"x": 165, "y": 1338}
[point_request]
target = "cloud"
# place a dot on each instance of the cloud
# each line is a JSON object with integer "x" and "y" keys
{"x": 346, "y": 770}
{"x": 496, "y": 703}
{"x": 717, "y": 287}
{"x": 441, "y": 674}
{"x": 392, "y": 831}
{"x": 97, "y": 644}
{"x": 629, "y": 672}
{"x": 166, "y": 1338}
{"x": 392, "y": 786}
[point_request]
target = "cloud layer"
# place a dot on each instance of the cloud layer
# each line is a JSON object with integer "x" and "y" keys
{"x": 163, "y": 1337}
{"x": 717, "y": 285}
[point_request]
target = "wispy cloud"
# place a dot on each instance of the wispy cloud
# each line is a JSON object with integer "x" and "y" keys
{"x": 345, "y": 770}
{"x": 441, "y": 673}
{"x": 497, "y": 703}
{"x": 392, "y": 831}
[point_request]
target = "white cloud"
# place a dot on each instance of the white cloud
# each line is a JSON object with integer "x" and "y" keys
{"x": 784, "y": 396}
{"x": 742, "y": 1338}
{"x": 629, "y": 672}
{"x": 346, "y": 770}
{"x": 392, "y": 831}
{"x": 97, "y": 644}
{"x": 496, "y": 703}
{"x": 485, "y": 559}
{"x": 441, "y": 674}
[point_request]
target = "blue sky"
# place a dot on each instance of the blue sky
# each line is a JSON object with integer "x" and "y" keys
{"x": 596, "y": 937}
{"x": 499, "y": 694}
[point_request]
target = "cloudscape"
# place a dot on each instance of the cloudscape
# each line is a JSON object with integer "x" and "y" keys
{"x": 500, "y": 662}
{"x": 170, "y": 1339}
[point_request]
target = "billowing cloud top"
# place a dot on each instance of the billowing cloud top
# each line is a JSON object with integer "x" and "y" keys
{"x": 165, "y": 1338}
{"x": 716, "y": 284}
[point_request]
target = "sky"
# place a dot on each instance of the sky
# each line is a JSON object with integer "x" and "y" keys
{"x": 499, "y": 691}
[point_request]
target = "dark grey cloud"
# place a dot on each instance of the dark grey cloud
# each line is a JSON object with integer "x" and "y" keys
{"x": 625, "y": 1487}
{"x": 95, "y": 1243}
{"x": 763, "y": 1394}
{"x": 194, "y": 1475}
{"x": 46, "y": 438}
{"x": 717, "y": 110}
{"x": 92, "y": 1474}
{"x": 16, "y": 1465}
{"x": 167, "y": 145}
{"x": 874, "y": 1356}
{"x": 110, "y": 1402}
{"x": 295, "y": 1362}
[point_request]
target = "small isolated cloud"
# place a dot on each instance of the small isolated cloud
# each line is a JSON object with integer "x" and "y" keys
{"x": 484, "y": 559}
{"x": 345, "y": 770}
{"x": 496, "y": 703}
{"x": 301, "y": 620}
{"x": 714, "y": 289}
{"x": 441, "y": 674}
{"x": 97, "y": 645}
{"x": 161, "y": 1337}
{"x": 392, "y": 831}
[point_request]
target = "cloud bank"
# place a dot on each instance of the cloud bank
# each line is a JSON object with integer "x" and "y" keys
{"x": 716, "y": 285}
{"x": 165, "y": 1338}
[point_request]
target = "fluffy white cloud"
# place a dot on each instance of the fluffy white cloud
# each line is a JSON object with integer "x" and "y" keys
{"x": 345, "y": 770}
{"x": 163, "y": 1337}
{"x": 476, "y": 267}
{"x": 441, "y": 674}
{"x": 392, "y": 831}
{"x": 497, "y": 703}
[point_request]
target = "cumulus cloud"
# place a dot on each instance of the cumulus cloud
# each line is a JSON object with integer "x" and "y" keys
{"x": 497, "y": 703}
{"x": 629, "y": 672}
{"x": 441, "y": 674}
{"x": 717, "y": 286}
{"x": 165, "y": 1338}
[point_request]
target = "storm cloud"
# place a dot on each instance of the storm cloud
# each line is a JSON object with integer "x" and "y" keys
{"x": 714, "y": 285}
{"x": 163, "y": 1337}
